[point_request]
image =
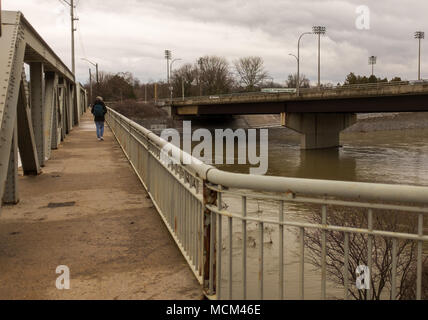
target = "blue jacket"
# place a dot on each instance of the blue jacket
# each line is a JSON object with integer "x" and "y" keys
{"x": 102, "y": 119}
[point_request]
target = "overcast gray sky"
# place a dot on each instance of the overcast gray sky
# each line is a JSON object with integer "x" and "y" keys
{"x": 131, "y": 35}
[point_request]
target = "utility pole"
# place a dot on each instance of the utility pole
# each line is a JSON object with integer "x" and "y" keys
{"x": 0, "y": 18}
{"x": 72, "y": 7}
{"x": 73, "y": 62}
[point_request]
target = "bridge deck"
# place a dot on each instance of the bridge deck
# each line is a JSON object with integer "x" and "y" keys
{"x": 88, "y": 210}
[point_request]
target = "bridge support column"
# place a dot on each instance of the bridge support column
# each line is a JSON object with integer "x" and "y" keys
{"x": 319, "y": 130}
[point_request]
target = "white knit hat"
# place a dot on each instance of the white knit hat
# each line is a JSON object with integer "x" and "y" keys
{"x": 99, "y": 98}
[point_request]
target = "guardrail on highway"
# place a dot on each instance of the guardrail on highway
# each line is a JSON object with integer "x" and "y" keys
{"x": 222, "y": 223}
{"x": 255, "y": 94}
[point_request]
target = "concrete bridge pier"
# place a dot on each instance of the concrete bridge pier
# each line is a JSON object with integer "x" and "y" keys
{"x": 318, "y": 130}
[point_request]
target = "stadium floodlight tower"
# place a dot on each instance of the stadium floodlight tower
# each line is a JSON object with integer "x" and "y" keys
{"x": 319, "y": 30}
{"x": 372, "y": 62}
{"x": 168, "y": 56}
{"x": 419, "y": 35}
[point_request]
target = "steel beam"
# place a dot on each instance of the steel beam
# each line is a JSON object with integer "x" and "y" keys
{"x": 37, "y": 107}
{"x": 11, "y": 63}
{"x": 37, "y": 49}
{"x": 31, "y": 122}
{"x": 51, "y": 83}
{"x": 26, "y": 140}
{"x": 56, "y": 127}
{"x": 10, "y": 195}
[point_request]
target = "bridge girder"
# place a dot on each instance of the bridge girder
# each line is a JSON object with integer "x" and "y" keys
{"x": 32, "y": 121}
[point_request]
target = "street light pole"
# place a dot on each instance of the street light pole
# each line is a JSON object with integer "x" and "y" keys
{"x": 319, "y": 30}
{"x": 182, "y": 88}
{"x": 90, "y": 85}
{"x": 170, "y": 74}
{"x": 199, "y": 76}
{"x": 298, "y": 63}
{"x": 419, "y": 35}
{"x": 96, "y": 68}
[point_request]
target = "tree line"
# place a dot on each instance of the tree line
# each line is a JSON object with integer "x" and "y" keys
{"x": 208, "y": 75}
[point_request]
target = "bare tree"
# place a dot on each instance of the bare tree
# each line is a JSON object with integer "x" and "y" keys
{"x": 292, "y": 81}
{"x": 214, "y": 75}
{"x": 250, "y": 71}
{"x": 358, "y": 243}
{"x": 186, "y": 76}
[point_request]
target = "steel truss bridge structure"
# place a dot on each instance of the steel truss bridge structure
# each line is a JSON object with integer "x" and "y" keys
{"x": 35, "y": 114}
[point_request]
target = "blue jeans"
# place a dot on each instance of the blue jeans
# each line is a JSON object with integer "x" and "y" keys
{"x": 100, "y": 128}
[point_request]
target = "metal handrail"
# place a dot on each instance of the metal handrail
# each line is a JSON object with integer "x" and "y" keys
{"x": 191, "y": 198}
{"x": 323, "y": 188}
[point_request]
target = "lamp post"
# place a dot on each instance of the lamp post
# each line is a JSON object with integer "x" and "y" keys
{"x": 298, "y": 62}
{"x": 419, "y": 35}
{"x": 90, "y": 76}
{"x": 90, "y": 85}
{"x": 319, "y": 30}
{"x": 170, "y": 73}
{"x": 372, "y": 62}
{"x": 200, "y": 63}
{"x": 96, "y": 67}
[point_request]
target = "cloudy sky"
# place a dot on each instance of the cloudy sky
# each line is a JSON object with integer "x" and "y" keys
{"x": 131, "y": 35}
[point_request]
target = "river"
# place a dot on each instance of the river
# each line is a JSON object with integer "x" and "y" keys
{"x": 394, "y": 156}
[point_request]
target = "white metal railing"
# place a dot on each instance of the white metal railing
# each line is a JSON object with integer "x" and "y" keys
{"x": 221, "y": 220}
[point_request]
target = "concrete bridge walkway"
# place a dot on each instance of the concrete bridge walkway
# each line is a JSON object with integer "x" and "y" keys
{"x": 88, "y": 211}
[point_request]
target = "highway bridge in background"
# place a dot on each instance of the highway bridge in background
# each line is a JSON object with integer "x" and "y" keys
{"x": 318, "y": 114}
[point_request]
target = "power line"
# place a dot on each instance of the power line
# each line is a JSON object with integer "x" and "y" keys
{"x": 64, "y": 1}
{"x": 81, "y": 42}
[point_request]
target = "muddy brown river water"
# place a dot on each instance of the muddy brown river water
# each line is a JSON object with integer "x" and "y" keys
{"x": 388, "y": 148}
{"x": 396, "y": 156}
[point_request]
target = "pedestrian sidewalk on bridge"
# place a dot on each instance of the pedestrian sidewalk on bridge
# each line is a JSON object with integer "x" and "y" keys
{"x": 89, "y": 212}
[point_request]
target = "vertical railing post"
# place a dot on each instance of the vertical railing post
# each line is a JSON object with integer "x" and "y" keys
{"x": 370, "y": 251}
{"x": 208, "y": 259}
